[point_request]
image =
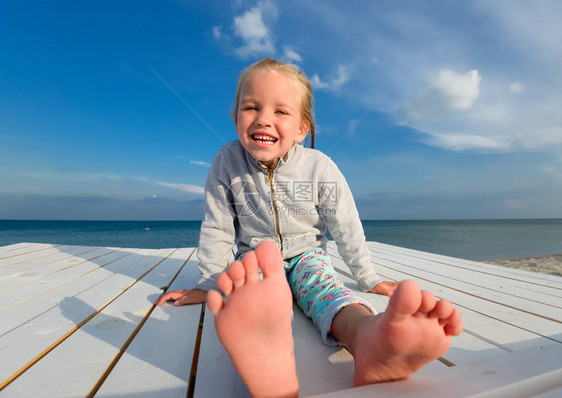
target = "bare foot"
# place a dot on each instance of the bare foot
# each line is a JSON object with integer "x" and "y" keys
{"x": 254, "y": 325}
{"x": 414, "y": 330}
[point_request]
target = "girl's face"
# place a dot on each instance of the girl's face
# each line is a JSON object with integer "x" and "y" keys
{"x": 268, "y": 121}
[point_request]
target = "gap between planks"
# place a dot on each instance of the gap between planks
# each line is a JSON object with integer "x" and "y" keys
{"x": 61, "y": 269}
{"x": 123, "y": 348}
{"x": 476, "y": 311}
{"x": 28, "y": 252}
{"x": 63, "y": 283}
{"x": 477, "y": 335}
{"x": 490, "y": 269}
{"x": 483, "y": 297}
{"x": 61, "y": 339}
{"x": 196, "y": 351}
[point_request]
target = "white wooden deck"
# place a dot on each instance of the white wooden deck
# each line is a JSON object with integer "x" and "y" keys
{"x": 79, "y": 321}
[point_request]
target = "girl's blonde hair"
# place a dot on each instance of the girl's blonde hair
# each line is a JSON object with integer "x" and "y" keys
{"x": 298, "y": 78}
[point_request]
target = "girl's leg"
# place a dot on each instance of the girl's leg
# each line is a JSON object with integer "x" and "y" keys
{"x": 254, "y": 326}
{"x": 317, "y": 291}
{"x": 413, "y": 331}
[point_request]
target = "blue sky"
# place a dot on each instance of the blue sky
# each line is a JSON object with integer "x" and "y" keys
{"x": 114, "y": 110}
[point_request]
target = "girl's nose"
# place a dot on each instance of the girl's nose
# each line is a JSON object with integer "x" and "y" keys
{"x": 263, "y": 120}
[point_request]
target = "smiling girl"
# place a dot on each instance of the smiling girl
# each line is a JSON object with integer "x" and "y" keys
{"x": 276, "y": 200}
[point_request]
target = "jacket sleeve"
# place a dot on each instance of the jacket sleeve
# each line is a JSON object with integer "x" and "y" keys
{"x": 217, "y": 230}
{"x": 342, "y": 219}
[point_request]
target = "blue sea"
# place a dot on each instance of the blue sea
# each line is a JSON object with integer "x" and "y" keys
{"x": 469, "y": 239}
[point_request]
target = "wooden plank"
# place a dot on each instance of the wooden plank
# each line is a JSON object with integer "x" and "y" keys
{"x": 74, "y": 367}
{"x": 35, "y": 269}
{"x": 36, "y": 326}
{"x": 479, "y": 272}
{"x": 216, "y": 375}
{"x": 158, "y": 361}
{"x": 478, "y": 303}
{"x": 484, "y": 321}
{"x": 471, "y": 274}
{"x": 556, "y": 393}
{"x": 15, "y": 246}
{"x": 31, "y": 260}
{"x": 24, "y": 248}
{"x": 479, "y": 285}
{"x": 36, "y": 288}
{"x": 26, "y": 253}
{"x": 157, "y": 369}
{"x": 322, "y": 368}
{"x": 464, "y": 348}
{"x": 494, "y": 377}
{"x": 506, "y": 272}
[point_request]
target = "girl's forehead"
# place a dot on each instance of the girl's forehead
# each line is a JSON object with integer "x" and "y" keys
{"x": 277, "y": 76}
{"x": 268, "y": 74}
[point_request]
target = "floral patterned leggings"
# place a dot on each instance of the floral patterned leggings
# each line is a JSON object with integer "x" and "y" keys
{"x": 318, "y": 293}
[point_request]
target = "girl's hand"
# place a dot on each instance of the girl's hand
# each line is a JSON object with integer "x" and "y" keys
{"x": 385, "y": 287}
{"x": 183, "y": 297}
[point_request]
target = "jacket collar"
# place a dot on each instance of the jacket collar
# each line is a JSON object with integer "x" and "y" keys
{"x": 280, "y": 162}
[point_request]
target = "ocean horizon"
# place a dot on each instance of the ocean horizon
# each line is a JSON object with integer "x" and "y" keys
{"x": 469, "y": 239}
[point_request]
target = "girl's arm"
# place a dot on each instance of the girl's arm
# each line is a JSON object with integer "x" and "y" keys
{"x": 216, "y": 238}
{"x": 217, "y": 230}
{"x": 340, "y": 214}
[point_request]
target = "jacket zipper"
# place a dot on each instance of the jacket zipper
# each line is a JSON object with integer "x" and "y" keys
{"x": 274, "y": 203}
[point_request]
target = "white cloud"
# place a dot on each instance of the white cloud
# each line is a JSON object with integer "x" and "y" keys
{"x": 184, "y": 187}
{"x": 516, "y": 87}
{"x": 291, "y": 55}
{"x": 342, "y": 77}
{"x": 251, "y": 28}
{"x": 83, "y": 176}
{"x": 461, "y": 142}
{"x": 463, "y": 91}
{"x": 447, "y": 92}
{"x": 200, "y": 163}
{"x": 458, "y": 91}
{"x": 217, "y": 34}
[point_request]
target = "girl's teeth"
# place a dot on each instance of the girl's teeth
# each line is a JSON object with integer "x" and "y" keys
{"x": 264, "y": 139}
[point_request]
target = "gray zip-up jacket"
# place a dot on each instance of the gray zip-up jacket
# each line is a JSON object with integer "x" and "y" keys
{"x": 291, "y": 205}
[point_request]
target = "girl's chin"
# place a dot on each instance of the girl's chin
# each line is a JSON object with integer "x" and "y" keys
{"x": 267, "y": 161}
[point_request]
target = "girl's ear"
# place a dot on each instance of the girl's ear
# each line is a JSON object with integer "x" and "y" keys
{"x": 303, "y": 131}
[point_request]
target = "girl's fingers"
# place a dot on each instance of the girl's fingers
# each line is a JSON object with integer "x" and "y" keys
{"x": 173, "y": 295}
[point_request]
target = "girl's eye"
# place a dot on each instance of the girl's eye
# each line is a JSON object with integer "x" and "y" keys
{"x": 251, "y": 108}
{"x": 281, "y": 112}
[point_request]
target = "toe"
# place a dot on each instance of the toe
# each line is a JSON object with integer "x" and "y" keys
{"x": 269, "y": 258}
{"x": 237, "y": 273}
{"x": 443, "y": 310}
{"x": 406, "y": 300}
{"x": 214, "y": 301}
{"x": 428, "y": 301}
{"x": 454, "y": 324}
{"x": 250, "y": 262}
{"x": 224, "y": 283}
